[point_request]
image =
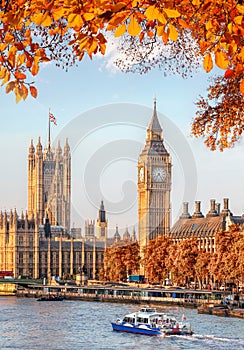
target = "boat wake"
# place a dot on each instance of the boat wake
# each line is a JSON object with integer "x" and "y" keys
{"x": 221, "y": 339}
{"x": 209, "y": 338}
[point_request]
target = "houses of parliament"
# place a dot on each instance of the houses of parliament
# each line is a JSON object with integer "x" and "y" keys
{"x": 41, "y": 243}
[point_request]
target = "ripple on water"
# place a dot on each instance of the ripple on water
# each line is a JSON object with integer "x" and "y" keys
{"x": 29, "y": 325}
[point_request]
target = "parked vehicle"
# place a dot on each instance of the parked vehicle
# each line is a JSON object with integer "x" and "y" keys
{"x": 4, "y": 274}
{"x": 136, "y": 278}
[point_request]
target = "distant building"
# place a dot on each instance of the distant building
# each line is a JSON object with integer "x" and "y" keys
{"x": 75, "y": 232}
{"x": 204, "y": 228}
{"x": 102, "y": 224}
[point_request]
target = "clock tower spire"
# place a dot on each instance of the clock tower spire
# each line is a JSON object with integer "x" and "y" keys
{"x": 154, "y": 185}
{"x": 154, "y": 131}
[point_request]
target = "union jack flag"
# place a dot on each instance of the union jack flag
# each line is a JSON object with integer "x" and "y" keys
{"x": 52, "y": 119}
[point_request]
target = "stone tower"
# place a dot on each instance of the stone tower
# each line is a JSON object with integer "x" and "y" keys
{"x": 102, "y": 224}
{"x": 154, "y": 185}
{"x": 49, "y": 183}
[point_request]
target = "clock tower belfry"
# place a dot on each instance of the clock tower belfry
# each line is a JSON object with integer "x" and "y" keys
{"x": 154, "y": 185}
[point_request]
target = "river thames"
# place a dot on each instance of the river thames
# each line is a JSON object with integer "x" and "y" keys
{"x": 63, "y": 325}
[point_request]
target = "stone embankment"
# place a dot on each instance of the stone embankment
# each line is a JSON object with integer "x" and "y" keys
{"x": 192, "y": 299}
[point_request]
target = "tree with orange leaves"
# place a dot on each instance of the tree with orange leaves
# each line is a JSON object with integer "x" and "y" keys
{"x": 155, "y": 257}
{"x": 33, "y": 32}
{"x": 227, "y": 262}
{"x": 119, "y": 261}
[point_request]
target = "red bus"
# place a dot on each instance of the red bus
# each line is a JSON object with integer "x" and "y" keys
{"x": 4, "y": 274}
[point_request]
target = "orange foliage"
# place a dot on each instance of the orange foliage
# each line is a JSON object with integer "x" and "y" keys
{"x": 155, "y": 258}
{"x": 38, "y": 31}
{"x": 228, "y": 261}
{"x": 220, "y": 117}
{"x": 120, "y": 261}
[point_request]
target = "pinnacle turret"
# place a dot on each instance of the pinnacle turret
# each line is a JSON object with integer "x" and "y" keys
{"x": 39, "y": 146}
{"x": 154, "y": 130}
{"x": 66, "y": 146}
{"x": 31, "y": 148}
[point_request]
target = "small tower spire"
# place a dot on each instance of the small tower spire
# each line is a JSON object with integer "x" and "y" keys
{"x": 39, "y": 146}
{"x": 154, "y": 131}
{"x": 31, "y": 148}
{"x": 102, "y": 213}
{"x": 66, "y": 146}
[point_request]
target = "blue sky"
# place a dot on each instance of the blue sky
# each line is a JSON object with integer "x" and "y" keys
{"x": 80, "y": 95}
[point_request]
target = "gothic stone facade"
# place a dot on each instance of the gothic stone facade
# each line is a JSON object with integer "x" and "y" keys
{"x": 49, "y": 183}
{"x": 25, "y": 250}
{"x": 154, "y": 184}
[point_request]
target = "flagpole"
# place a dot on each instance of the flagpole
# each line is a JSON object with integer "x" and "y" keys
{"x": 49, "y": 136}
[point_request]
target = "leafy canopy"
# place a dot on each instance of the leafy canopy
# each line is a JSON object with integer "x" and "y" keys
{"x": 33, "y": 32}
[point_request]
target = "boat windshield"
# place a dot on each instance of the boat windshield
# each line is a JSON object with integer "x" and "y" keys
{"x": 148, "y": 309}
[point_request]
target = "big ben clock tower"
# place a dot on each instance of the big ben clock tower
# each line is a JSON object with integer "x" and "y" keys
{"x": 154, "y": 185}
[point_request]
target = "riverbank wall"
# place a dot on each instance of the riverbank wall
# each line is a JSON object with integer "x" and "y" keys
{"x": 142, "y": 296}
{"x": 208, "y": 302}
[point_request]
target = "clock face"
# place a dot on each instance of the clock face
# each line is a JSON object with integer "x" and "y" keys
{"x": 158, "y": 174}
{"x": 141, "y": 174}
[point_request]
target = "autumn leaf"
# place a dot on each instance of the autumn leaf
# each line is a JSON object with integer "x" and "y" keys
{"x": 18, "y": 97}
{"x": 160, "y": 30}
{"x": 92, "y": 47}
{"x": 118, "y": 7}
{"x": 9, "y": 38}
{"x": 120, "y": 30}
{"x": 242, "y": 87}
{"x": 117, "y": 19}
{"x": 19, "y": 46}
{"x": 173, "y": 34}
{"x": 208, "y": 62}
{"x": 221, "y": 59}
{"x": 240, "y": 8}
{"x": 133, "y": 28}
{"x": 47, "y": 21}
{"x": 229, "y": 73}
{"x": 83, "y": 43}
{"x": 6, "y": 78}
{"x": 172, "y": 13}
{"x": 12, "y": 56}
{"x": 19, "y": 75}
{"x": 24, "y": 92}
{"x": 238, "y": 20}
{"x": 165, "y": 38}
{"x": 35, "y": 66}
{"x": 3, "y": 71}
{"x": 10, "y": 86}
{"x": 152, "y": 13}
{"x": 75, "y": 20}
{"x": 38, "y": 18}
{"x": 33, "y": 91}
{"x": 58, "y": 13}
{"x": 88, "y": 16}
{"x": 183, "y": 23}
